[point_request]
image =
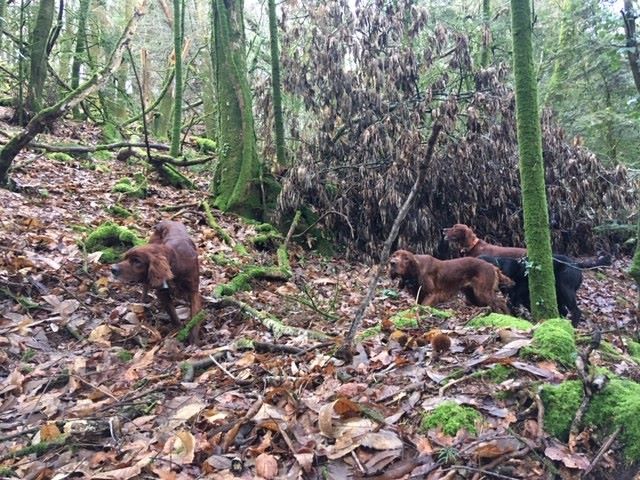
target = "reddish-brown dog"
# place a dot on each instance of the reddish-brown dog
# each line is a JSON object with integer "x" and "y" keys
{"x": 434, "y": 281}
{"x": 472, "y": 246}
{"x": 168, "y": 264}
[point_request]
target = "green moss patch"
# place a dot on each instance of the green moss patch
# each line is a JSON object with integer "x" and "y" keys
{"x": 499, "y": 320}
{"x": 119, "y": 211}
{"x": 369, "y": 333}
{"x": 634, "y": 350}
{"x": 267, "y": 237}
{"x": 451, "y": 417}
{"x": 113, "y": 240}
{"x": 408, "y": 319}
{"x": 136, "y": 187}
{"x": 205, "y": 145}
{"x": 553, "y": 340}
{"x": 60, "y": 157}
{"x": 497, "y": 374}
{"x": 173, "y": 177}
{"x": 242, "y": 281}
{"x": 560, "y": 405}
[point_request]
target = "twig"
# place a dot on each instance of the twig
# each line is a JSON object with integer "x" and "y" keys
{"x": 602, "y": 451}
{"x": 502, "y": 459}
{"x": 481, "y": 471}
{"x": 345, "y": 350}
{"x": 454, "y": 382}
{"x": 231, "y": 434}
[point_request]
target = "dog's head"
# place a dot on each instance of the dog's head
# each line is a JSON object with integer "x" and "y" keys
{"x": 459, "y": 233}
{"x": 146, "y": 264}
{"x": 403, "y": 264}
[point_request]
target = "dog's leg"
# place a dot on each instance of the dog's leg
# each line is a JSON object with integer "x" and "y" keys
{"x": 164, "y": 295}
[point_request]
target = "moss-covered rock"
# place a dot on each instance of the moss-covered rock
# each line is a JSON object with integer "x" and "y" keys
{"x": 113, "y": 240}
{"x": 451, "y": 417}
{"x": 619, "y": 405}
{"x": 499, "y": 320}
{"x": 136, "y": 187}
{"x": 560, "y": 405}
{"x": 553, "y": 340}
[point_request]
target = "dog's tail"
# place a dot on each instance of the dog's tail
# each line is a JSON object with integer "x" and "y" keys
{"x": 604, "y": 260}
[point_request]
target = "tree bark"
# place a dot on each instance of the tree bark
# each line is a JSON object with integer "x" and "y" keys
{"x": 534, "y": 199}
{"x": 486, "y": 33}
{"x": 81, "y": 35}
{"x": 177, "y": 105}
{"x": 633, "y": 52}
{"x": 38, "y": 68}
{"x": 276, "y": 85}
{"x": 236, "y": 179}
{"x": 48, "y": 115}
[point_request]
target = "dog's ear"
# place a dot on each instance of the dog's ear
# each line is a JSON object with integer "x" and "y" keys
{"x": 159, "y": 271}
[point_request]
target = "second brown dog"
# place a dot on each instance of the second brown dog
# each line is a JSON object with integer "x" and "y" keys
{"x": 435, "y": 281}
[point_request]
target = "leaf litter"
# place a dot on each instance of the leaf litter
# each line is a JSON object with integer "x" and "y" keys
{"x": 84, "y": 364}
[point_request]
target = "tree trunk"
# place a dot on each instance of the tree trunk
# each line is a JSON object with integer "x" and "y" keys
{"x": 534, "y": 200}
{"x": 3, "y": 20}
{"x": 38, "y": 70}
{"x": 78, "y": 57}
{"x": 235, "y": 184}
{"x": 567, "y": 25}
{"x": 486, "y": 33}
{"x": 177, "y": 106}
{"x": 276, "y": 86}
{"x": 48, "y": 115}
{"x": 633, "y": 52}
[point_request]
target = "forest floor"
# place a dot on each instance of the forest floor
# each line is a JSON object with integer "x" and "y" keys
{"x": 100, "y": 381}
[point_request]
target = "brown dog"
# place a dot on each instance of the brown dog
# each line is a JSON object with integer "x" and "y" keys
{"x": 472, "y": 246}
{"x": 168, "y": 264}
{"x": 434, "y": 281}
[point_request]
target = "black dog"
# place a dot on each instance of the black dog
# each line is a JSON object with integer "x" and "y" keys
{"x": 568, "y": 275}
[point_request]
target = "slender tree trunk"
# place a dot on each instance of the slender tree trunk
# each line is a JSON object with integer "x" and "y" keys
{"x": 633, "y": 50}
{"x": 486, "y": 33}
{"x": 276, "y": 85}
{"x": 3, "y": 21}
{"x": 534, "y": 199}
{"x": 177, "y": 106}
{"x": 567, "y": 25}
{"x": 78, "y": 57}
{"x": 38, "y": 70}
{"x": 48, "y": 115}
{"x": 235, "y": 183}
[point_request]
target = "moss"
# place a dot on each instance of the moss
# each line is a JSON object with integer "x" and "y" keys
{"x": 119, "y": 211}
{"x": 241, "y": 281}
{"x": 110, "y": 133}
{"x": 102, "y": 155}
{"x": 634, "y": 349}
{"x": 112, "y": 240}
{"x": 619, "y": 405}
{"x": 500, "y": 321}
{"x": 407, "y": 319}
{"x": 560, "y": 405}
{"x": 553, "y": 340}
{"x": 134, "y": 188}
{"x": 221, "y": 259}
{"x": 244, "y": 344}
{"x": 451, "y": 417}
{"x": 240, "y": 249}
{"x": 283, "y": 260}
{"x": 171, "y": 175}
{"x": 7, "y": 472}
{"x": 124, "y": 355}
{"x": 498, "y": 374}
{"x": 267, "y": 236}
{"x": 205, "y": 145}
{"x": 370, "y": 333}
{"x": 60, "y": 156}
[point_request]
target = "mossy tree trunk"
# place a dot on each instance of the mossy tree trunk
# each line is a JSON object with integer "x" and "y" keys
{"x": 177, "y": 105}
{"x": 3, "y": 19}
{"x": 486, "y": 33}
{"x": 276, "y": 86}
{"x": 534, "y": 199}
{"x": 634, "y": 269}
{"x": 633, "y": 49}
{"x": 78, "y": 56}
{"x": 38, "y": 56}
{"x": 565, "y": 37}
{"x": 236, "y": 179}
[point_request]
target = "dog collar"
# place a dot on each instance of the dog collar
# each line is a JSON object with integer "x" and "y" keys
{"x": 464, "y": 251}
